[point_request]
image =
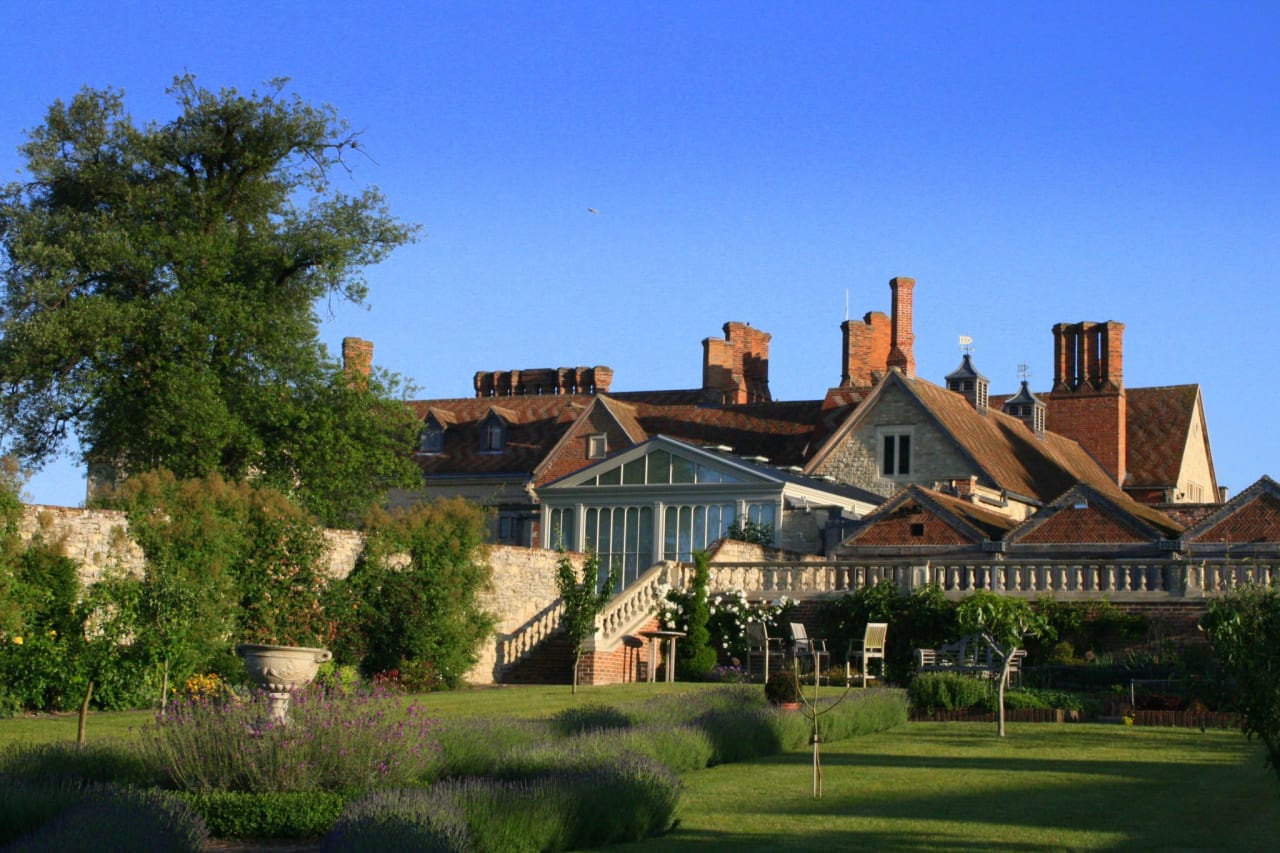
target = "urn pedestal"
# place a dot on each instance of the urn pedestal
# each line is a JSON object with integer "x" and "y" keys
{"x": 280, "y": 670}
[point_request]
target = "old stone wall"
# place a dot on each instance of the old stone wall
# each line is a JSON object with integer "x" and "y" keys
{"x": 524, "y": 578}
{"x": 524, "y": 585}
{"x": 97, "y": 539}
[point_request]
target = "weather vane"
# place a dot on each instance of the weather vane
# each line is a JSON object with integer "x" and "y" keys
{"x": 966, "y": 345}
{"x": 1024, "y": 371}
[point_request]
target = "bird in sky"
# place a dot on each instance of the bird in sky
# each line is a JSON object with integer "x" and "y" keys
{"x": 592, "y": 210}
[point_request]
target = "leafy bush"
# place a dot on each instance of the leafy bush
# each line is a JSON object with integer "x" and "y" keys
{"x": 1043, "y": 698}
{"x": 924, "y": 619}
{"x": 427, "y": 610}
{"x": 783, "y": 687}
{"x": 729, "y": 613}
{"x": 1083, "y": 631}
{"x": 335, "y": 743}
{"x": 949, "y": 691}
{"x": 267, "y": 814}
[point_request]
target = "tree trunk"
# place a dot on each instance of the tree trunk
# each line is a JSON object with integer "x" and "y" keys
{"x": 84, "y": 715}
{"x": 1004, "y": 679}
{"x": 577, "y": 659}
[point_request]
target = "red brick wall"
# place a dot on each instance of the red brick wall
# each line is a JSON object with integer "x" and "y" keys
{"x": 1082, "y": 526}
{"x": 1096, "y": 419}
{"x": 626, "y": 664}
{"x": 1256, "y": 521}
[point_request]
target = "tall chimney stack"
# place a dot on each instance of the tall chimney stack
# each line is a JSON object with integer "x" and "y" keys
{"x": 902, "y": 343}
{"x": 357, "y": 360}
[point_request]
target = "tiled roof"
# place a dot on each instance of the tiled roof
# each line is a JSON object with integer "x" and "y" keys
{"x": 1084, "y": 516}
{"x": 783, "y": 432}
{"x": 962, "y": 522}
{"x": 1159, "y": 425}
{"x": 1008, "y": 451}
{"x": 1250, "y": 517}
{"x": 534, "y": 425}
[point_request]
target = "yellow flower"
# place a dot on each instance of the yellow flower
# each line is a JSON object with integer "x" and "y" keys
{"x": 18, "y": 640}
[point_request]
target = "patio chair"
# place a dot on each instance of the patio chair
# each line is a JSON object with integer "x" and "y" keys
{"x": 761, "y": 645}
{"x": 869, "y": 648}
{"x": 813, "y": 648}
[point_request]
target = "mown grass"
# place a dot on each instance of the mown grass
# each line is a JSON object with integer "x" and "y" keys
{"x": 925, "y": 786}
{"x": 955, "y": 786}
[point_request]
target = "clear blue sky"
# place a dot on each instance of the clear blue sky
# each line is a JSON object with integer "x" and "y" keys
{"x": 1028, "y": 163}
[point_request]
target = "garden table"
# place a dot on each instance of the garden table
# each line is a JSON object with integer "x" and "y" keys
{"x": 655, "y": 639}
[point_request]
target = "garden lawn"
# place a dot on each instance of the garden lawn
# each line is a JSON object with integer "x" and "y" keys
{"x": 955, "y": 786}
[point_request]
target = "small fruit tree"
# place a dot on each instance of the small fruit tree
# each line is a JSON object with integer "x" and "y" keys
{"x": 1003, "y": 622}
{"x": 582, "y": 601}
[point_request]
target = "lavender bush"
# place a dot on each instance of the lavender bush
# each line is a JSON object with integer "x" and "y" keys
{"x": 621, "y": 798}
{"x": 348, "y": 742}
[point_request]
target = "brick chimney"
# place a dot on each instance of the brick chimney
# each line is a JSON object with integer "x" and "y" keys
{"x": 865, "y": 349}
{"x": 903, "y": 340}
{"x": 357, "y": 359}
{"x": 735, "y": 369}
{"x": 1088, "y": 401}
{"x": 543, "y": 380}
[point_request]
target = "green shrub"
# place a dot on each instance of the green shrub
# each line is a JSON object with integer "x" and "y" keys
{"x": 267, "y": 814}
{"x": 948, "y": 691}
{"x": 924, "y": 619}
{"x": 783, "y": 687}
{"x": 427, "y": 610}
{"x": 1042, "y": 698}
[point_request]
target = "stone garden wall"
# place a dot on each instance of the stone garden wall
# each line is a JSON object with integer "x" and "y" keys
{"x": 524, "y": 578}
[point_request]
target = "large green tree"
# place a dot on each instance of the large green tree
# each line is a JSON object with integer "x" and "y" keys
{"x": 160, "y": 291}
{"x": 1243, "y": 628}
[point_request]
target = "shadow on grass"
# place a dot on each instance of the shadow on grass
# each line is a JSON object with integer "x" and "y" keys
{"x": 931, "y": 789}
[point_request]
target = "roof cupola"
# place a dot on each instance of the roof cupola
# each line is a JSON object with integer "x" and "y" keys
{"x": 966, "y": 381}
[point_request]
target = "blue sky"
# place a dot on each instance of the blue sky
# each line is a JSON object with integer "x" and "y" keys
{"x": 1027, "y": 163}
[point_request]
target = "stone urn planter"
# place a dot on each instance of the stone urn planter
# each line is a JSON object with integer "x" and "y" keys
{"x": 280, "y": 670}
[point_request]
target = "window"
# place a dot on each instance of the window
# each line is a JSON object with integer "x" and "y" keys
{"x": 622, "y": 537}
{"x": 492, "y": 434}
{"x": 895, "y": 459}
{"x": 508, "y": 528}
{"x": 692, "y": 528}
{"x": 597, "y": 446}
{"x": 431, "y": 439}
{"x": 560, "y": 533}
{"x": 917, "y": 529}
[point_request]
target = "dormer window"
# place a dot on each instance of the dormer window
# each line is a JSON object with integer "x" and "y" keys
{"x": 493, "y": 434}
{"x": 597, "y": 446}
{"x": 431, "y": 439}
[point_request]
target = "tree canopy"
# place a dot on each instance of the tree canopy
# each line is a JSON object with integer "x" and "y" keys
{"x": 160, "y": 292}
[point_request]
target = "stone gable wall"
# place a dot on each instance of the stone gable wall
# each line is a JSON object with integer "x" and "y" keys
{"x": 934, "y": 456}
